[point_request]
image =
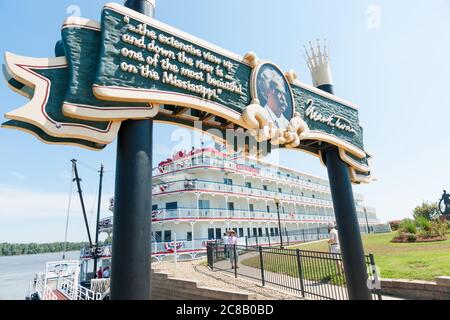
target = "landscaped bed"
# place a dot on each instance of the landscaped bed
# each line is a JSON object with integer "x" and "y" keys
{"x": 408, "y": 238}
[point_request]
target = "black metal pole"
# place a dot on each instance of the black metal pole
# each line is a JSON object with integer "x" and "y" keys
{"x": 80, "y": 193}
{"x": 279, "y": 225}
{"x": 131, "y": 250}
{"x": 347, "y": 221}
{"x": 367, "y": 221}
{"x": 99, "y": 204}
{"x": 300, "y": 272}
{"x": 348, "y": 226}
{"x": 261, "y": 262}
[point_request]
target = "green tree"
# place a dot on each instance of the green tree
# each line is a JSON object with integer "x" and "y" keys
{"x": 12, "y": 249}
{"x": 426, "y": 210}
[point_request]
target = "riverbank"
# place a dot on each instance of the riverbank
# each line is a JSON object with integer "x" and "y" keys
{"x": 18, "y": 249}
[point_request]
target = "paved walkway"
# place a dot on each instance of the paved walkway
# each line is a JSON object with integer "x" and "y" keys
{"x": 198, "y": 271}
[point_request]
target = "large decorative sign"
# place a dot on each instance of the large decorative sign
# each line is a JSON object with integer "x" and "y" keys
{"x": 131, "y": 66}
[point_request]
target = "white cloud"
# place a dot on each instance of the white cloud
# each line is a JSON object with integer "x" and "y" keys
{"x": 22, "y": 204}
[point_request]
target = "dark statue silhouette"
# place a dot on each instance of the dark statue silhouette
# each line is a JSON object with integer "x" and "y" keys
{"x": 444, "y": 203}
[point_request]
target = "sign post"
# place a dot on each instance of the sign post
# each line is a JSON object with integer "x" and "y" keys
{"x": 341, "y": 192}
{"x": 130, "y": 277}
{"x": 348, "y": 226}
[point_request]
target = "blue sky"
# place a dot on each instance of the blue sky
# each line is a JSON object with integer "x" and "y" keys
{"x": 388, "y": 57}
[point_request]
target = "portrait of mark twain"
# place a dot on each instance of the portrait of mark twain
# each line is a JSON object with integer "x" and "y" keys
{"x": 275, "y": 95}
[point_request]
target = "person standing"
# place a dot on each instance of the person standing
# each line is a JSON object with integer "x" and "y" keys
{"x": 106, "y": 273}
{"x": 233, "y": 254}
{"x": 100, "y": 273}
{"x": 225, "y": 245}
{"x": 334, "y": 246}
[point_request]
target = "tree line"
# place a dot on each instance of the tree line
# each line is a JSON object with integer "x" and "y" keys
{"x": 15, "y": 249}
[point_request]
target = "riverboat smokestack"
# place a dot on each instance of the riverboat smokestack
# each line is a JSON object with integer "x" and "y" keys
{"x": 318, "y": 60}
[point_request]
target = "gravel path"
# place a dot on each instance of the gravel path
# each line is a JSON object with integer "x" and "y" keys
{"x": 198, "y": 271}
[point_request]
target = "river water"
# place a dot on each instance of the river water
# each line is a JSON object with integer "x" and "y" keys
{"x": 16, "y": 272}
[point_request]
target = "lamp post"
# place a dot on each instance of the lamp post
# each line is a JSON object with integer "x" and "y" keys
{"x": 280, "y": 232}
{"x": 367, "y": 222}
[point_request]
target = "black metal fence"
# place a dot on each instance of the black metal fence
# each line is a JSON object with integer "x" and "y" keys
{"x": 310, "y": 274}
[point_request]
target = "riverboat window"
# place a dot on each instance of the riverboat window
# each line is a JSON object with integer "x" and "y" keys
{"x": 189, "y": 236}
{"x": 268, "y": 209}
{"x": 272, "y": 232}
{"x": 248, "y": 185}
{"x": 267, "y": 232}
{"x": 154, "y": 207}
{"x": 280, "y": 190}
{"x": 255, "y": 232}
{"x": 228, "y": 182}
{"x": 231, "y": 206}
{"x": 167, "y": 236}
{"x": 248, "y": 233}
{"x": 241, "y": 232}
{"x": 171, "y": 205}
{"x": 158, "y": 236}
{"x": 203, "y": 204}
{"x": 260, "y": 232}
{"x": 313, "y": 196}
{"x": 265, "y": 188}
{"x": 251, "y": 207}
{"x": 218, "y": 233}
{"x": 276, "y": 232}
{"x": 210, "y": 233}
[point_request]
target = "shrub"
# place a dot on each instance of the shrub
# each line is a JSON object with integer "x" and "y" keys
{"x": 439, "y": 229}
{"x": 411, "y": 237}
{"x": 395, "y": 225}
{"x": 426, "y": 233}
{"x": 423, "y": 223}
{"x": 408, "y": 226}
{"x": 426, "y": 210}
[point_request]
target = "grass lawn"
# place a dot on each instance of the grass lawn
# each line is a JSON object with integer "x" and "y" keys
{"x": 325, "y": 270}
{"x": 412, "y": 261}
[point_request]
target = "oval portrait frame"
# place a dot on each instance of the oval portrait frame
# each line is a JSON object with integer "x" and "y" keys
{"x": 254, "y": 90}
